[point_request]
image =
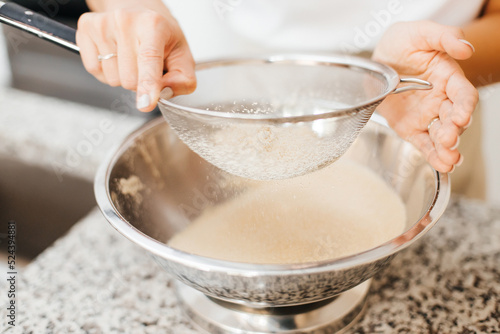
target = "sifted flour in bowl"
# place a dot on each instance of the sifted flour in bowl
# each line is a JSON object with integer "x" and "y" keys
{"x": 340, "y": 210}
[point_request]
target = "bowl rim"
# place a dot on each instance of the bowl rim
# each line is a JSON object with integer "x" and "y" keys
{"x": 342, "y": 60}
{"x": 162, "y": 250}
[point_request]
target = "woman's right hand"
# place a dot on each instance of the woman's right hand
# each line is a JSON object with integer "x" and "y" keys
{"x": 147, "y": 44}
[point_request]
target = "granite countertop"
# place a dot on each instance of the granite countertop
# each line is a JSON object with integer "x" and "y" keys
{"x": 93, "y": 280}
{"x": 61, "y": 135}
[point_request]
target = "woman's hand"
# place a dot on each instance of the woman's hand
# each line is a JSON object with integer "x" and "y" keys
{"x": 432, "y": 119}
{"x": 147, "y": 42}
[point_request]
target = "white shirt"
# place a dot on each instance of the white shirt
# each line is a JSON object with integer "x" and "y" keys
{"x": 221, "y": 28}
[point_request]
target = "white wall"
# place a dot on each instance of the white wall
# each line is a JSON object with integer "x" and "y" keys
{"x": 490, "y": 99}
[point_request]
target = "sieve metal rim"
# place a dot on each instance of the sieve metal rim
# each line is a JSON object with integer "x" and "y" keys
{"x": 391, "y": 77}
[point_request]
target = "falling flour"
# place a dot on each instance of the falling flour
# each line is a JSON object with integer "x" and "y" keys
{"x": 341, "y": 210}
{"x": 271, "y": 151}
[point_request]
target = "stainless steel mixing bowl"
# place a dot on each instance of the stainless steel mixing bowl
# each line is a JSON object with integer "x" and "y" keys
{"x": 153, "y": 185}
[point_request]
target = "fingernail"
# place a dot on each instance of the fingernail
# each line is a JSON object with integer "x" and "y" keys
{"x": 143, "y": 102}
{"x": 468, "y": 43}
{"x": 452, "y": 170}
{"x": 460, "y": 161}
{"x": 468, "y": 124}
{"x": 166, "y": 93}
{"x": 454, "y": 147}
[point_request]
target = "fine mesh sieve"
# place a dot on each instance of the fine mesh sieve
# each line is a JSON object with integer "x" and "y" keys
{"x": 280, "y": 116}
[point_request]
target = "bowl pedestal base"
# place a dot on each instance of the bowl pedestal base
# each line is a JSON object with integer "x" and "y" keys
{"x": 221, "y": 317}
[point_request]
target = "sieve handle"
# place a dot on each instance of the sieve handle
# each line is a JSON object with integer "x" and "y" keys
{"x": 39, "y": 25}
{"x": 418, "y": 84}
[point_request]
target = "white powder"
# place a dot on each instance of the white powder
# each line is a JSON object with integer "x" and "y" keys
{"x": 271, "y": 152}
{"x": 131, "y": 186}
{"x": 340, "y": 210}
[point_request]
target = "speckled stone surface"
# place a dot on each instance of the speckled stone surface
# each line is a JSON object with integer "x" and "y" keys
{"x": 93, "y": 280}
{"x": 449, "y": 282}
{"x": 63, "y": 136}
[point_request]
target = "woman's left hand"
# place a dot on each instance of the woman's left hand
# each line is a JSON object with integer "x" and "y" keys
{"x": 433, "y": 119}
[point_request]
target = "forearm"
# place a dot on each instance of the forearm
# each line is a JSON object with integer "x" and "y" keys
{"x": 483, "y": 67}
{"x": 106, "y": 5}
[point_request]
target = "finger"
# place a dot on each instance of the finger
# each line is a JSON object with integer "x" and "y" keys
{"x": 468, "y": 124}
{"x": 180, "y": 76}
{"x": 456, "y": 46}
{"x": 109, "y": 66}
{"x": 150, "y": 63}
{"x": 447, "y": 156}
{"x": 423, "y": 142}
{"x": 445, "y": 131}
{"x": 106, "y": 44}
{"x": 434, "y": 36}
{"x": 464, "y": 97}
{"x": 446, "y": 134}
{"x": 127, "y": 49}
{"x": 127, "y": 63}
{"x": 88, "y": 49}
